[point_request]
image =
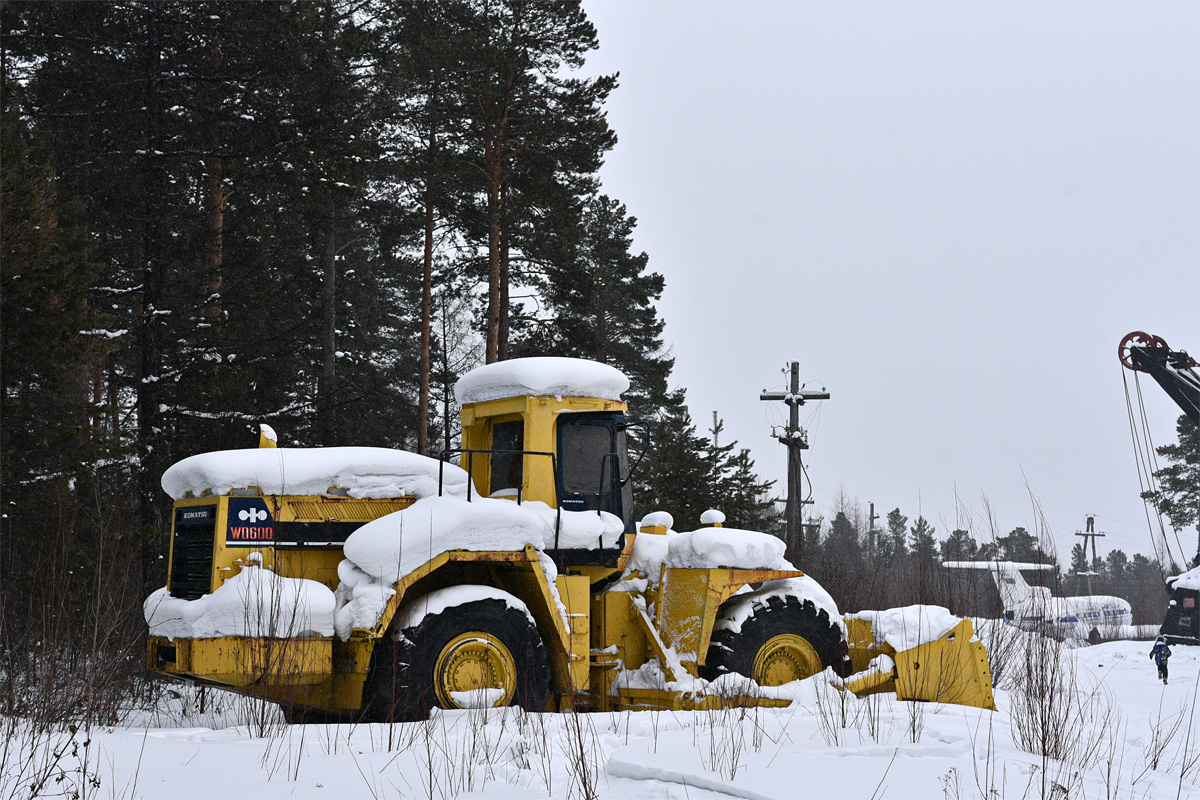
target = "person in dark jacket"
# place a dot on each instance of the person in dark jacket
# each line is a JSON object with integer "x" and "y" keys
{"x": 1159, "y": 655}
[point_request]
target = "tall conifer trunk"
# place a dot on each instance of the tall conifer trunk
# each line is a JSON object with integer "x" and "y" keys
{"x": 426, "y": 302}
{"x": 217, "y": 196}
{"x": 325, "y": 388}
{"x": 502, "y": 333}
{"x": 153, "y": 290}
{"x": 493, "y": 200}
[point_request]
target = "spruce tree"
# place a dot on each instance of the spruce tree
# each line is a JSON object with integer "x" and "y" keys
{"x": 600, "y": 306}
{"x": 676, "y": 475}
{"x": 897, "y": 530}
{"x": 1178, "y": 493}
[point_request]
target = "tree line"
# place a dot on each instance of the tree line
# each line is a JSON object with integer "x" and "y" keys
{"x": 316, "y": 215}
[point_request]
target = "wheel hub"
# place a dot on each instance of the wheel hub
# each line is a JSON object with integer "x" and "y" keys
{"x": 471, "y": 662}
{"x": 783, "y": 659}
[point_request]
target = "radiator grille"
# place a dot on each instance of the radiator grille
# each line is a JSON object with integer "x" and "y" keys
{"x": 192, "y": 552}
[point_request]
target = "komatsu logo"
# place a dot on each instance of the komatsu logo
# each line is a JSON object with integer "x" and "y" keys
{"x": 250, "y": 523}
{"x": 192, "y": 516}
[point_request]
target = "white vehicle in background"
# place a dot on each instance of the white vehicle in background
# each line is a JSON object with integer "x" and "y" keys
{"x": 1094, "y": 617}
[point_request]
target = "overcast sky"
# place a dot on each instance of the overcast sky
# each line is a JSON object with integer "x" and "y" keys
{"x": 948, "y": 213}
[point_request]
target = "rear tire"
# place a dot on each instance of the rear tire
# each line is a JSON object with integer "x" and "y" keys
{"x": 784, "y": 639}
{"x": 485, "y": 644}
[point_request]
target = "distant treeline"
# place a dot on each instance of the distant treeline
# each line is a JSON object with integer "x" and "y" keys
{"x": 901, "y": 564}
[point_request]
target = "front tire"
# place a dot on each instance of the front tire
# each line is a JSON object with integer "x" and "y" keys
{"x": 783, "y": 640}
{"x": 479, "y": 654}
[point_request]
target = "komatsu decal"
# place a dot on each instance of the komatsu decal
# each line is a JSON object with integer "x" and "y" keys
{"x": 249, "y": 523}
{"x": 198, "y": 515}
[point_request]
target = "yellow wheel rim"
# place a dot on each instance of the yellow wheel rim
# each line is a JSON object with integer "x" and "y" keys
{"x": 470, "y": 662}
{"x": 783, "y": 659}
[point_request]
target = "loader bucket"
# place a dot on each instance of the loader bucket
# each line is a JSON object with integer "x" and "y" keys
{"x": 951, "y": 669}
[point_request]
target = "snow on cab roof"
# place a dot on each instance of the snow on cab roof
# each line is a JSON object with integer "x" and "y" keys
{"x": 363, "y": 472}
{"x": 541, "y": 376}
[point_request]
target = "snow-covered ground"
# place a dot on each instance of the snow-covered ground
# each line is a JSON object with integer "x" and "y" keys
{"x": 1118, "y": 730}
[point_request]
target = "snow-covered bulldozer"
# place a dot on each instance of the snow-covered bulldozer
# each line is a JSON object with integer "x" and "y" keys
{"x": 375, "y": 584}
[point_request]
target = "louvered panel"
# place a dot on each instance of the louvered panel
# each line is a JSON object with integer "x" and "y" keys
{"x": 344, "y": 510}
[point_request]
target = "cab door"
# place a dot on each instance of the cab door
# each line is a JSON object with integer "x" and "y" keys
{"x": 593, "y": 465}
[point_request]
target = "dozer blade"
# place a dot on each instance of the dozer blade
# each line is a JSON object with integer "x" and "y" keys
{"x": 951, "y": 669}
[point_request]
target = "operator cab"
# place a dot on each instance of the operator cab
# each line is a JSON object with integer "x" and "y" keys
{"x": 550, "y": 430}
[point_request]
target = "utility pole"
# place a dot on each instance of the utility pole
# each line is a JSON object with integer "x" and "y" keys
{"x": 1090, "y": 535}
{"x": 796, "y": 441}
{"x": 871, "y": 532}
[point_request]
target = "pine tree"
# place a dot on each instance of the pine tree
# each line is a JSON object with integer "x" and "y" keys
{"x": 52, "y": 437}
{"x": 1116, "y": 567}
{"x": 1021, "y": 545}
{"x": 422, "y": 62}
{"x": 528, "y": 120}
{"x": 1079, "y": 563}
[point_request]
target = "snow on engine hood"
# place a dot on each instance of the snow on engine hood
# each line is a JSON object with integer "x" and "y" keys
{"x": 539, "y": 377}
{"x": 364, "y": 472}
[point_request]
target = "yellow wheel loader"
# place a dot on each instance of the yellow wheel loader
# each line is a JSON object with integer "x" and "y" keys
{"x": 363, "y": 583}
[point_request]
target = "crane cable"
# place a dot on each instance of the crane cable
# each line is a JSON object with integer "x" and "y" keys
{"x": 1153, "y": 453}
{"x": 1147, "y": 464}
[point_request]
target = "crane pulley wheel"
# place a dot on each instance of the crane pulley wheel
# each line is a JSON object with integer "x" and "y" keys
{"x": 1137, "y": 339}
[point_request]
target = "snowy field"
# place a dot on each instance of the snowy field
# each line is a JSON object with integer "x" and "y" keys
{"x": 1093, "y": 722}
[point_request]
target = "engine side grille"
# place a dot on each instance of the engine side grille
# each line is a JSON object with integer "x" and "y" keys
{"x": 192, "y": 552}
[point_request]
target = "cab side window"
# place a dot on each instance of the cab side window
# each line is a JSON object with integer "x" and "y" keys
{"x": 507, "y": 466}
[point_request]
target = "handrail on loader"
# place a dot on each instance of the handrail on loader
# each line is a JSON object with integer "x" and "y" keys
{"x": 445, "y": 456}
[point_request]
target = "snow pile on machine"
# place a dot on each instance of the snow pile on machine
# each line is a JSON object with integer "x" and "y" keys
{"x": 1187, "y": 580}
{"x": 920, "y": 652}
{"x": 541, "y": 377}
{"x": 255, "y": 602}
{"x": 395, "y": 545}
{"x": 721, "y": 547}
{"x": 360, "y": 472}
{"x": 381, "y": 552}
